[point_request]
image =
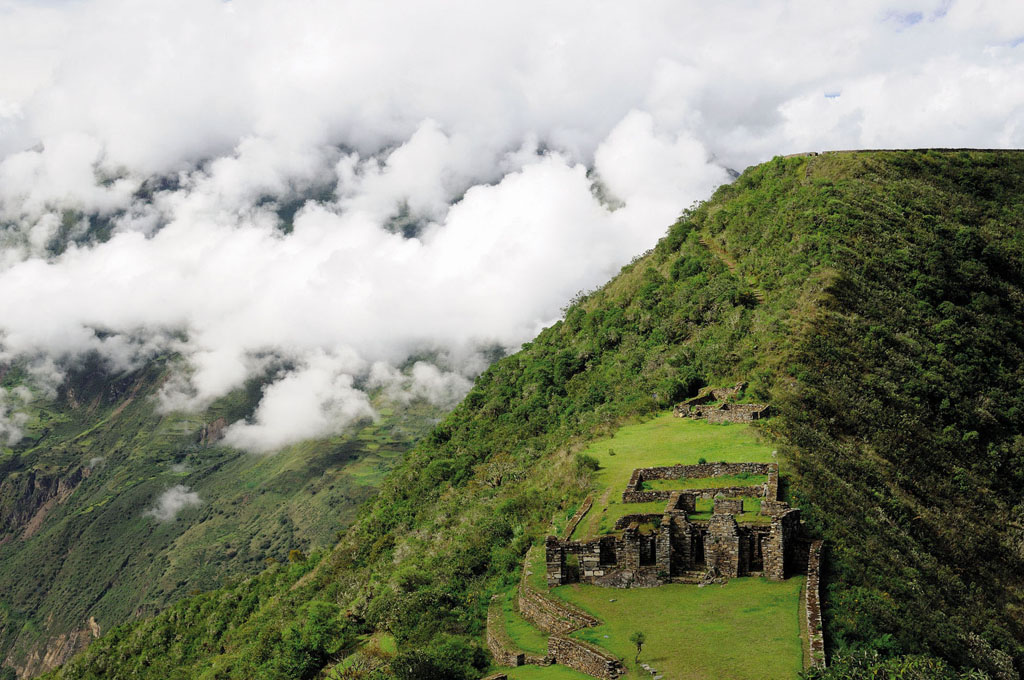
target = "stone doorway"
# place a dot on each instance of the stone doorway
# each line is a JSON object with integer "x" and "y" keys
{"x": 698, "y": 548}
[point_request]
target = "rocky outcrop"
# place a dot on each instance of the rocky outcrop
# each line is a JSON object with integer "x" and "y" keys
{"x": 27, "y": 497}
{"x": 57, "y": 650}
{"x": 211, "y": 433}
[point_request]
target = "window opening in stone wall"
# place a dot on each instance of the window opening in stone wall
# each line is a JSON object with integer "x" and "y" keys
{"x": 572, "y": 568}
{"x": 607, "y": 553}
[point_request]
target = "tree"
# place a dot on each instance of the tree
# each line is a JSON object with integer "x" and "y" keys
{"x": 638, "y": 639}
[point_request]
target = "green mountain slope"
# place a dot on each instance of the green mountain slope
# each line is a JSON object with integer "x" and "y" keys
{"x": 81, "y": 549}
{"x": 876, "y": 299}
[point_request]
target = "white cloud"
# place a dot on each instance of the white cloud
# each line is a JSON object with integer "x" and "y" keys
{"x": 313, "y": 400}
{"x": 173, "y": 501}
{"x": 12, "y": 421}
{"x": 471, "y": 127}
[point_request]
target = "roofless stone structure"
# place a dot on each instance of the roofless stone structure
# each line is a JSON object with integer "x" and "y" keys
{"x": 677, "y": 545}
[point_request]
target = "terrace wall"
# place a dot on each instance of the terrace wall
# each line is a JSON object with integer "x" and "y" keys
{"x": 649, "y": 518}
{"x": 578, "y": 516}
{"x": 812, "y": 600}
{"x": 503, "y": 649}
{"x": 727, "y": 413}
{"x": 584, "y": 658}
{"x": 549, "y": 614}
{"x": 634, "y": 492}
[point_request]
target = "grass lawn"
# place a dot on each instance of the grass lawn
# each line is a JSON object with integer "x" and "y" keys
{"x": 744, "y": 479}
{"x": 746, "y": 629}
{"x": 663, "y": 440}
{"x": 555, "y": 672}
{"x": 751, "y": 511}
{"x": 523, "y": 633}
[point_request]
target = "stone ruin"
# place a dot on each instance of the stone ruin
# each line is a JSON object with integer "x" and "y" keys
{"x": 718, "y": 405}
{"x": 673, "y": 547}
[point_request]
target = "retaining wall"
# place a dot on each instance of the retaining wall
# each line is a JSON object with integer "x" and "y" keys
{"x": 503, "y": 649}
{"x": 650, "y": 518}
{"x": 577, "y": 517}
{"x": 728, "y": 413}
{"x": 815, "y": 634}
{"x": 635, "y": 494}
{"x": 584, "y": 658}
{"x": 549, "y": 614}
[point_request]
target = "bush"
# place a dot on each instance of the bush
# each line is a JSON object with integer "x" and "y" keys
{"x": 586, "y": 463}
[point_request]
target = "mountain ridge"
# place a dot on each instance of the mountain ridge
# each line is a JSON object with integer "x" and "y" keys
{"x": 889, "y": 341}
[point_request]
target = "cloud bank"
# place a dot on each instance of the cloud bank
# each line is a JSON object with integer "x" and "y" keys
{"x": 343, "y": 186}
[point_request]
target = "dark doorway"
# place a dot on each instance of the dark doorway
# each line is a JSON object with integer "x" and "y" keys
{"x": 648, "y": 551}
{"x": 756, "y": 556}
{"x": 698, "y": 548}
{"x": 607, "y": 553}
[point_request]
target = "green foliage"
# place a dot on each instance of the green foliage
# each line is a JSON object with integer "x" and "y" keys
{"x": 448, "y": 658}
{"x": 98, "y": 554}
{"x": 586, "y": 463}
{"x": 871, "y": 666}
{"x": 638, "y": 638}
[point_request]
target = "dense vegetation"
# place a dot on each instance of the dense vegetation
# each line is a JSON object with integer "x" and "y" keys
{"x": 75, "y": 537}
{"x": 874, "y": 298}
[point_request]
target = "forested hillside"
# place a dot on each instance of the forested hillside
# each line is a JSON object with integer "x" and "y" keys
{"x": 876, "y": 299}
{"x": 111, "y": 510}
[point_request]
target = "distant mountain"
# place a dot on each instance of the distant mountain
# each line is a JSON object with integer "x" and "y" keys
{"x": 110, "y": 510}
{"x": 876, "y": 299}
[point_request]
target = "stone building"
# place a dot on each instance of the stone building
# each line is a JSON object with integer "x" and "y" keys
{"x": 677, "y": 546}
{"x": 719, "y": 406}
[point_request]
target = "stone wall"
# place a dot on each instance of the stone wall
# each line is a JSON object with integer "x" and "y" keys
{"x": 584, "y": 658}
{"x": 709, "y": 395}
{"x": 728, "y": 413}
{"x": 728, "y": 506}
{"x": 634, "y": 492}
{"x": 649, "y": 518}
{"x": 770, "y": 507}
{"x": 709, "y": 493}
{"x": 681, "y": 502}
{"x": 812, "y": 600}
{"x": 722, "y": 546}
{"x": 549, "y": 614}
{"x": 780, "y": 546}
{"x": 554, "y": 560}
{"x": 701, "y": 470}
{"x": 577, "y": 517}
{"x": 503, "y": 649}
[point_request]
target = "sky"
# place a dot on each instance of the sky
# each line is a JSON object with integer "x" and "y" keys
{"x": 456, "y": 171}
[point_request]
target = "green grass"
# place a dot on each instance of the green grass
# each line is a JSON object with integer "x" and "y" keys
{"x": 538, "y": 568}
{"x": 663, "y": 440}
{"x": 742, "y": 479}
{"x": 751, "y": 511}
{"x": 523, "y": 633}
{"x": 543, "y": 673}
{"x": 747, "y": 629}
